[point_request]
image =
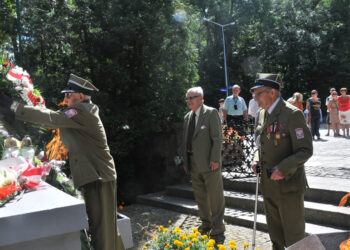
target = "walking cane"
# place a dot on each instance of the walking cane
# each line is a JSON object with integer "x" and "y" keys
{"x": 256, "y": 205}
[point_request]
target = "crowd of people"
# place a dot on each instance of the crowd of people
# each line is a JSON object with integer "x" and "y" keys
{"x": 234, "y": 108}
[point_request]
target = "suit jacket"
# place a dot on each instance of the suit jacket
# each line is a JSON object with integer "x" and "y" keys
{"x": 293, "y": 149}
{"x": 207, "y": 139}
{"x": 83, "y": 134}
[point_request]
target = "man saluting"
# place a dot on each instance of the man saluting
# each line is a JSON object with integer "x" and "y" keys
{"x": 91, "y": 163}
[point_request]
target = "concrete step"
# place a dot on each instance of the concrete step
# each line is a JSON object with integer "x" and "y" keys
{"x": 319, "y": 213}
{"x": 321, "y": 189}
{"x": 232, "y": 215}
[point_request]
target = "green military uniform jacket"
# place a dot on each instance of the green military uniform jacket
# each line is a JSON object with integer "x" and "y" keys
{"x": 289, "y": 153}
{"x": 82, "y": 132}
{"x": 207, "y": 139}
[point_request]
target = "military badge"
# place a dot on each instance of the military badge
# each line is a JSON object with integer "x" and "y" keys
{"x": 299, "y": 133}
{"x": 70, "y": 113}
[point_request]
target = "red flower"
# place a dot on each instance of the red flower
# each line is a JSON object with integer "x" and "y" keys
{"x": 8, "y": 190}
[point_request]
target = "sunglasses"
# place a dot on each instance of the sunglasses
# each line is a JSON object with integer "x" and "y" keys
{"x": 334, "y": 94}
{"x": 313, "y": 93}
{"x": 190, "y": 98}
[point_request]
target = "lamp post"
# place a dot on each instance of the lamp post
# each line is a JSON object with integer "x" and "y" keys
{"x": 223, "y": 42}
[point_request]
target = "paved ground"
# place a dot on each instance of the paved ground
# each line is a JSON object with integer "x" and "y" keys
{"x": 331, "y": 159}
{"x": 145, "y": 219}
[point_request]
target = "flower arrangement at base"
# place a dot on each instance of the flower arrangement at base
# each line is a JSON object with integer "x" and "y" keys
{"x": 174, "y": 238}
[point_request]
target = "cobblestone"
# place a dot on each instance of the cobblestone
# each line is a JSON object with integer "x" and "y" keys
{"x": 331, "y": 157}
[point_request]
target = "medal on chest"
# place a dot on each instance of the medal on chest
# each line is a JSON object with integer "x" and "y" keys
{"x": 274, "y": 129}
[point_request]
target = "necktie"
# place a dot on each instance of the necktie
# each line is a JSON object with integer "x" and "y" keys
{"x": 190, "y": 132}
{"x": 266, "y": 116}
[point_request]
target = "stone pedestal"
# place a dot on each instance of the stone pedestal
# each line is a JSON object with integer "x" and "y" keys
{"x": 124, "y": 227}
{"x": 46, "y": 218}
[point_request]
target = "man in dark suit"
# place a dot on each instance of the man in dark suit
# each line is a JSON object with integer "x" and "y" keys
{"x": 91, "y": 163}
{"x": 202, "y": 140}
{"x": 285, "y": 144}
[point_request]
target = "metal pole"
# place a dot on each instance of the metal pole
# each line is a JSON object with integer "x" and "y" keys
{"x": 223, "y": 42}
{"x": 19, "y": 32}
{"x": 255, "y": 210}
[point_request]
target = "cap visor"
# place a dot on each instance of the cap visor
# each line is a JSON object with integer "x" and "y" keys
{"x": 256, "y": 87}
{"x": 67, "y": 91}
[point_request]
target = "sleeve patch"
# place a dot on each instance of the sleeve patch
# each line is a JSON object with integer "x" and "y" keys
{"x": 299, "y": 133}
{"x": 70, "y": 113}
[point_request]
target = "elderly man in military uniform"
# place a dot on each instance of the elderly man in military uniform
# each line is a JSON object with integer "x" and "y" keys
{"x": 91, "y": 163}
{"x": 285, "y": 144}
{"x": 202, "y": 140}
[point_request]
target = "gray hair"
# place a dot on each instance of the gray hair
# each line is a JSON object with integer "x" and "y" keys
{"x": 196, "y": 90}
{"x": 236, "y": 86}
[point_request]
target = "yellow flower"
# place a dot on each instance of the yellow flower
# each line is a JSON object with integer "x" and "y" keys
{"x": 167, "y": 246}
{"x": 178, "y": 243}
{"x": 160, "y": 228}
{"x": 212, "y": 240}
{"x": 169, "y": 221}
{"x": 183, "y": 237}
{"x": 177, "y": 230}
{"x": 190, "y": 243}
{"x": 187, "y": 248}
{"x": 194, "y": 240}
{"x": 165, "y": 230}
{"x": 195, "y": 229}
{"x": 192, "y": 235}
{"x": 232, "y": 246}
{"x": 210, "y": 244}
{"x": 210, "y": 248}
{"x": 245, "y": 244}
{"x": 232, "y": 242}
{"x": 257, "y": 249}
{"x": 198, "y": 233}
{"x": 205, "y": 237}
{"x": 221, "y": 247}
{"x": 154, "y": 237}
{"x": 144, "y": 247}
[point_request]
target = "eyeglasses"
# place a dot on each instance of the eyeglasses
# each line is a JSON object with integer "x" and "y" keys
{"x": 257, "y": 95}
{"x": 313, "y": 93}
{"x": 67, "y": 95}
{"x": 190, "y": 98}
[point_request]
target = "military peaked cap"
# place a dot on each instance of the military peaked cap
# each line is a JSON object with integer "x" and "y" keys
{"x": 77, "y": 84}
{"x": 267, "y": 80}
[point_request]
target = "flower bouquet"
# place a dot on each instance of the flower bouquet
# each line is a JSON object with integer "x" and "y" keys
{"x": 9, "y": 187}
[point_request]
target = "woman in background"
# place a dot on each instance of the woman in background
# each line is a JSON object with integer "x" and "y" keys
{"x": 333, "y": 108}
{"x": 344, "y": 110}
{"x": 313, "y": 105}
{"x": 297, "y": 100}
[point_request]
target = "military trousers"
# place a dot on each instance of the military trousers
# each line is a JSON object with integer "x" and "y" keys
{"x": 285, "y": 218}
{"x": 209, "y": 195}
{"x": 101, "y": 204}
